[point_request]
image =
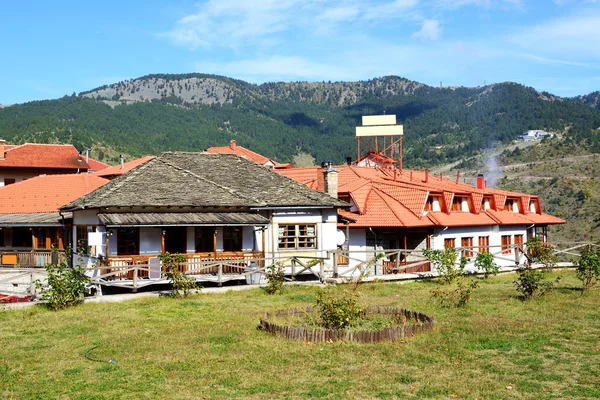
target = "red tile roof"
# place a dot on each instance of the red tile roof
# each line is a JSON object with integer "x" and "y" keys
{"x": 96, "y": 165}
{"x": 43, "y": 156}
{"x": 240, "y": 151}
{"x": 116, "y": 170}
{"x": 384, "y": 197}
{"x": 46, "y": 193}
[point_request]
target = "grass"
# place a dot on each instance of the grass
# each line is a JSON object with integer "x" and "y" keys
{"x": 208, "y": 346}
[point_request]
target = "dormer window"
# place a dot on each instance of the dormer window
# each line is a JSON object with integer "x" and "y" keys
{"x": 532, "y": 206}
{"x": 511, "y": 205}
{"x": 460, "y": 204}
{"x": 487, "y": 203}
{"x": 433, "y": 203}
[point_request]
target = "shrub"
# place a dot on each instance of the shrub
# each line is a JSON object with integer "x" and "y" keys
{"x": 338, "y": 311}
{"x": 444, "y": 263}
{"x": 485, "y": 262}
{"x": 540, "y": 252}
{"x": 65, "y": 285}
{"x": 531, "y": 283}
{"x": 458, "y": 297}
{"x": 588, "y": 268}
{"x": 275, "y": 279}
{"x": 182, "y": 284}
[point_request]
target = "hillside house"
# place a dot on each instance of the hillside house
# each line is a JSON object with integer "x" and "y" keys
{"x": 243, "y": 152}
{"x": 535, "y": 135}
{"x": 20, "y": 162}
{"x": 30, "y": 222}
{"x": 206, "y": 207}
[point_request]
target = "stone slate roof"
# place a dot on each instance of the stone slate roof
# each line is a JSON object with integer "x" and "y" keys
{"x": 181, "y": 179}
{"x": 33, "y": 219}
{"x": 182, "y": 219}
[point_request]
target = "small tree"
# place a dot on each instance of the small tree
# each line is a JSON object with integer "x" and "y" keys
{"x": 65, "y": 285}
{"x": 182, "y": 284}
{"x": 531, "y": 283}
{"x": 444, "y": 263}
{"x": 275, "y": 279}
{"x": 540, "y": 252}
{"x": 485, "y": 262}
{"x": 588, "y": 268}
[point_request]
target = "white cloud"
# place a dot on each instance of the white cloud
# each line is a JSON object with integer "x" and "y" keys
{"x": 573, "y": 38}
{"x": 340, "y": 14}
{"x": 429, "y": 31}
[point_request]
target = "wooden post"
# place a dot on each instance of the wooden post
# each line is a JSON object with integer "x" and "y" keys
{"x": 335, "y": 264}
{"x": 293, "y": 267}
{"x": 135, "y": 278}
{"x": 220, "y": 274}
{"x": 34, "y": 239}
{"x": 162, "y": 241}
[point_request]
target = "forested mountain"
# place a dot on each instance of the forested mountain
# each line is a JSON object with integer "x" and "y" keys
{"x": 195, "y": 111}
{"x": 592, "y": 99}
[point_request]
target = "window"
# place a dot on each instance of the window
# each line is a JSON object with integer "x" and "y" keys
{"x": 509, "y": 205}
{"x": 232, "y": 238}
{"x": 429, "y": 204}
{"x": 82, "y": 239}
{"x": 484, "y": 244}
{"x": 518, "y": 239}
{"x": 433, "y": 203}
{"x": 297, "y": 236}
{"x": 128, "y": 241}
{"x": 449, "y": 243}
{"x": 457, "y": 203}
{"x": 205, "y": 239}
{"x": 8, "y": 181}
{"x": 467, "y": 242}
{"x": 506, "y": 244}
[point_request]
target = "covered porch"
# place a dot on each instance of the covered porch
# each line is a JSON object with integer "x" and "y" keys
{"x": 31, "y": 240}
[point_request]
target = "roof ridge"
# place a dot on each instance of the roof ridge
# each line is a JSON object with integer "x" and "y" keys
{"x": 379, "y": 193}
{"x": 397, "y": 201}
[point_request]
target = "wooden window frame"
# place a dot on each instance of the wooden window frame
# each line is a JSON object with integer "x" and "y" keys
{"x": 124, "y": 245}
{"x": 467, "y": 242}
{"x": 449, "y": 243}
{"x": 506, "y": 243}
{"x": 229, "y": 238}
{"x": 484, "y": 244}
{"x": 518, "y": 240}
{"x": 296, "y": 236}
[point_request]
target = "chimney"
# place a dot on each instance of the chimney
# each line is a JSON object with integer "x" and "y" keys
{"x": 232, "y": 144}
{"x": 330, "y": 180}
{"x": 480, "y": 181}
{"x": 122, "y": 161}
{"x": 2, "y": 143}
{"x": 426, "y": 176}
{"x": 348, "y": 160}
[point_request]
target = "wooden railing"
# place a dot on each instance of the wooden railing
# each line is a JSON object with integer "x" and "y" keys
{"x": 30, "y": 259}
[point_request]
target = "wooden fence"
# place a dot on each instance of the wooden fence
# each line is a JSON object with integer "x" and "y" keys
{"x": 409, "y": 323}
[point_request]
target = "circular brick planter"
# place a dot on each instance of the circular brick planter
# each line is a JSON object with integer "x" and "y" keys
{"x": 423, "y": 323}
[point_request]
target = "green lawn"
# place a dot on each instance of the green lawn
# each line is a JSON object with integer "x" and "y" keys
{"x": 208, "y": 346}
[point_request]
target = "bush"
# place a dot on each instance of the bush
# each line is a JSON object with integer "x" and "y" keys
{"x": 485, "y": 262}
{"x": 444, "y": 263}
{"x": 338, "y": 311}
{"x": 275, "y": 279}
{"x": 65, "y": 286}
{"x": 531, "y": 283}
{"x": 588, "y": 268}
{"x": 458, "y": 297}
{"x": 540, "y": 252}
{"x": 182, "y": 284}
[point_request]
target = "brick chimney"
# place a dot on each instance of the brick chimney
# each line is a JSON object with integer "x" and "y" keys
{"x": 232, "y": 144}
{"x": 330, "y": 178}
{"x": 2, "y": 143}
{"x": 480, "y": 181}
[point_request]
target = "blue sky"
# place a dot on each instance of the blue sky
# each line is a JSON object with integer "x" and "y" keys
{"x": 53, "y": 48}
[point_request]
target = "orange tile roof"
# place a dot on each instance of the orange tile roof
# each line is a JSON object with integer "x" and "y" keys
{"x": 385, "y": 197}
{"x": 240, "y": 151}
{"x": 96, "y": 165}
{"x": 45, "y": 156}
{"x": 46, "y": 193}
{"x": 116, "y": 170}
